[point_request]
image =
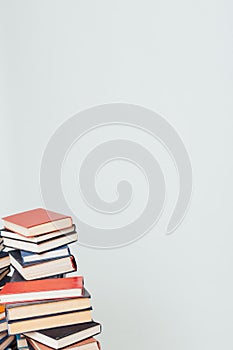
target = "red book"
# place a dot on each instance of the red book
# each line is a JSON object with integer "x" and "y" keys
{"x": 36, "y": 222}
{"x": 42, "y": 289}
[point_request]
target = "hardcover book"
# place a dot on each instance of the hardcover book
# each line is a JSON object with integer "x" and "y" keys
{"x": 45, "y": 322}
{"x": 30, "y": 257}
{"x": 17, "y": 311}
{"x": 6, "y": 342}
{"x": 43, "y": 269}
{"x": 88, "y": 344}
{"x": 42, "y": 245}
{"x": 4, "y": 260}
{"x": 37, "y": 221}
{"x": 60, "y": 337}
{"x": 16, "y": 277}
{"x": 42, "y": 289}
{"x": 3, "y": 324}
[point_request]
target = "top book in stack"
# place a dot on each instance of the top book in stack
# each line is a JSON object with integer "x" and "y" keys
{"x": 36, "y": 222}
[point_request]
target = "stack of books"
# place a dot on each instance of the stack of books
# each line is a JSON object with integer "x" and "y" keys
{"x": 45, "y": 309}
{"x": 5, "y": 340}
{"x": 4, "y": 268}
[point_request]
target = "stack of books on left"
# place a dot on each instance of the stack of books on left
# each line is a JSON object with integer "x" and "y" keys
{"x": 5, "y": 340}
{"x": 45, "y": 309}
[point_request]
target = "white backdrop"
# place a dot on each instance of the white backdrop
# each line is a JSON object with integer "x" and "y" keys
{"x": 175, "y": 57}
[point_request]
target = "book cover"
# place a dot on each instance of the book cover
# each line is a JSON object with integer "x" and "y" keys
{"x": 60, "y": 252}
{"x": 89, "y": 343}
{"x": 43, "y": 269}
{"x": 36, "y": 221}
{"x": 44, "y": 322}
{"x": 42, "y": 289}
{"x": 60, "y": 337}
{"x": 43, "y": 246}
{"x": 22, "y": 310}
{"x": 37, "y": 239}
{"x": 35, "y": 217}
{"x": 16, "y": 277}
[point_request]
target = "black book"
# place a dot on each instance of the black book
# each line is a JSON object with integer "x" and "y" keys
{"x": 60, "y": 337}
{"x": 43, "y": 269}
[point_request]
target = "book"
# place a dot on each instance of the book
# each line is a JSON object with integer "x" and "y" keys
{"x": 60, "y": 252}
{"x": 18, "y": 311}
{"x": 42, "y": 246}
{"x": 3, "y": 324}
{"x": 6, "y": 342}
{"x": 2, "y": 336}
{"x": 88, "y": 344}
{"x": 4, "y": 271}
{"x": 37, "y": 221}
{"x": 61, "y": 337}
{"x": 4, "y": 260}
{"x": 45, "y": 322}
{"x": 22, "y": 343}
{"x": 2, "y": 312}
{"x": 42, "y": 289}
{"x": 16, "y": 277}
{"x": 5, "y": 280}
{"x": 43, "y": 269}
{"x": 36, "y": 239}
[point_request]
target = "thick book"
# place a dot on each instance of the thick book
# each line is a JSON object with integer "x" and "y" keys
{"x": 45, "y": 322}
{"x": 69, "y": 287}
{"x": 42, "y": 246}
{"x": 61, "y": 337}
{"x": 88, "y": 344}
{"x": 16, "y": 277}
{"x": 6, "y": 342}
{"x": 4, "y": 260}
{"x": 18, "y": 311}
{"x": 61, "y": 252}
{"x": 36, "y": 222}
{"x": 43, "y": 269}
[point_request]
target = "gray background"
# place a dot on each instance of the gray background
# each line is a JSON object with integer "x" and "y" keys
{"x": 175, "y": 57}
